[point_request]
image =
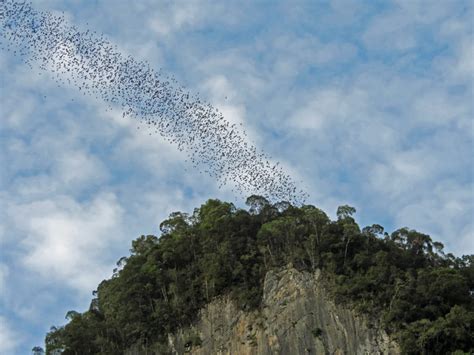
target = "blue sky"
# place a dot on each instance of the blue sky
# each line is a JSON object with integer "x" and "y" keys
{"x": 367, "y": 103}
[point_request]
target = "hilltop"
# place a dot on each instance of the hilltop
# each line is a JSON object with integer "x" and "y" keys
{"x": 358, "y": 289}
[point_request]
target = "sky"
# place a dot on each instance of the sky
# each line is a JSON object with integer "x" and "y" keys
{"x": 366, "y": 103}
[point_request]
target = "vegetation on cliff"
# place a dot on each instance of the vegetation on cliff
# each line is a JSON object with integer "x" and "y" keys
{"x": 423, "y": 296}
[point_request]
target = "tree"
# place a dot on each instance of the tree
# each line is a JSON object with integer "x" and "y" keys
{"x": 374, "y": 229}
{"x": 350, "y": 231}
{"x": 256, "y": 204}
{"x": 142, "y": 244}
{"x": 350, "y": 228}
{"x": 70, "y": 315}
{"x": 176, "y": 221}
{"x": 55, "y": 340}
{"x": 37, "y": 350}
{"x": 316, "y": 220}
{"x": 282, "y": 206}
{"x": 419, "y": 245}
{"x": 281, "y": 241}
{"x": 345, "y": 211}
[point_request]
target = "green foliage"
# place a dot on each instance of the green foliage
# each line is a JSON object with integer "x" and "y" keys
{"x": 440, "y": 336}
{"x": 423, "y": 295}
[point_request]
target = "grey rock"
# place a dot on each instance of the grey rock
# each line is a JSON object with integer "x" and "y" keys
{"x": 297, "y": 317}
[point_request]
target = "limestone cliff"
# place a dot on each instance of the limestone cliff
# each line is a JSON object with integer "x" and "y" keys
{"x": 297, "y": 317}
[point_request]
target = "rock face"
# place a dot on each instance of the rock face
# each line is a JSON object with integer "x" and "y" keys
{"x": 297, "y": 317}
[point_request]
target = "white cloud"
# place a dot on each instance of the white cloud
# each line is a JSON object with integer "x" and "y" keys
{"x": 4, "y": 271}
{"x": 458, "y": 68}
{"x": 78, "y": 167}
{"x": 9, "y": 339}
{"x": 438, "y": 107}
{"x": 63, "y": 239}
{"x": 294, "y": 53}
{"x": 181, "y": 15}
{"x": 397, "y": 177}
{"x": 442, "y": 214}
{"x": 395, "y": 27}
{"x": 330, "y": 107}
{"x": 401, "y": 26}
{"x": 465, "y": 63}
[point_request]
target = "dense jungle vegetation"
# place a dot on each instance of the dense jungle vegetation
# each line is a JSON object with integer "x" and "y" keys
{"x": 424, "y": 296}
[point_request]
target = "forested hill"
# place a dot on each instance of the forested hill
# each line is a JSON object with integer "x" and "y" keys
{"x": 423, "y": 296}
